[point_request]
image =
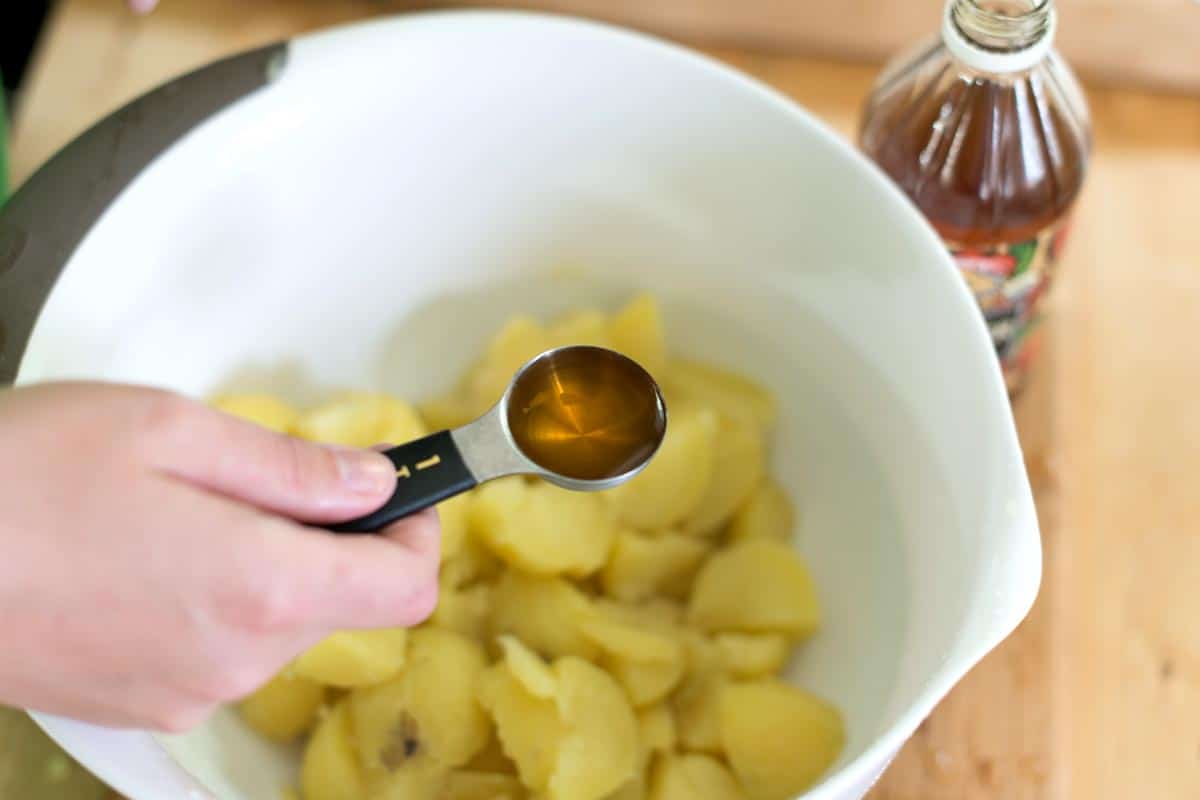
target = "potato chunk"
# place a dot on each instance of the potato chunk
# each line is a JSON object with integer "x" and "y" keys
{"x": 347, "y": 659}
{"x": 261, "y": 409}
{"x": 767, "y": 514}
{"x": 362, "y": 420}
{"x": 694, "y": 776}
{"x": 644, "y": 565}
{"x": 731, "y": 395}
{"x": 329, "y": 769}
{"x": 544, "y": 613}
{"x": 637, "y": 331}
{"x": 779, "y": 739}
{"x": 740, "y": 462}
{"x": 284, "y": 707}
{"x": 753, "y": 655}
{"x": 755, "y": 586}
{"x": 600, "y": 751}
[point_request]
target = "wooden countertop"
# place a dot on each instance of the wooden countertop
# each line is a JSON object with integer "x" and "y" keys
{"x": 1097, "y": 696}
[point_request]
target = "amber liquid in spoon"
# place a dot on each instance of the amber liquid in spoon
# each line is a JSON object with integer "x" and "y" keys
{"x": 586, "y": 414}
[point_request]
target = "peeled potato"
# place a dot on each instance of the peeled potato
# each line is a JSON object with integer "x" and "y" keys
{"x": 778, "y": 739}
{"x": 284, "y": 707}
{"x": 529, "y": 728}
{"x": 693, "y": 776}
{"x": 645, "y": 657}
{"x": 261, "y": 409}
{"x": 753, "y": 655}
{"x": 729, "y": 394}
{"x": 767, "y": 514}
{"x": 755, "y": 586}
{"x": 472, "y": 785}
{"x": 600, "y": 750}
{"x": 656, "y": 729}
{"x": 544, "y": 613}
{"x": 492, "y": 758}
{"x": 362, "y": 420}
{"x": 696, "y": 702}
{"x": 518, "y": 341}
{"x": 674, "y": 483}
{"x": 354, "y": 658}
{"x": 740, "y": 462}
{"x": 644, "y": 565}
{"x": 541, "y": 528}
{"x": 449, "y": 411}
{"x": 637, "y": 331}
{"x": 580, "y": 327}
{"x": 463, "y": 610}
{"x": 472, "y": 563}
{"x": 528, "y": 668}
{"x": 452, "y": 514}
{"x": 632, "y": 789}
{"x": 329, "y": 769}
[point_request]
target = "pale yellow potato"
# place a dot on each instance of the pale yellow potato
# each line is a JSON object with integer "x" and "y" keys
{"x": 542, "y": 529}
{"x": 530, "y": 728}
{"x": 517, "y": 342}
{"x": 463, "y": 610}
{"x": 656, "y": 729}
{"x": 361, "y": 419}
{"x": 472, "y": 563}
{"x": 452, "y": 514}
{"x": 739, "y": 461}
{"x": 289, "y": 793}
{"x": 678, "y": 476}
{"x": 662, "y": 612}
{"x": 421, "y": 780}
{"x": 767, "y": 514}
{"x": 755, "y": 586}
{"x": 632, "y": 789}
{"x": 642, "y": 565}
{"x": 427, "y": 719}
{"x": 779, "y": 739}
{"x": 534, "y": 674}
{"x": 284, "y": 707}
{"x": 348, "y": 659}
{"x": 587, "y": 327}
{"x": 452, "y": 410}
{"x": 645, "y": 682}
{"x": 729, "y": 394}
{"x": 753, "y": 655}
{"x": 625, "y": 632}
{"x": 637, "y": 331}
{"x": 474, "y": 785}
{"x": 261, "y": 409}
{"x": 492, "y": 758}
{"x": 329, "y": 769}
{"x": 691, "y": 777}
{"x": 695, "y": 703}
{"x": 600, "y": 751}
{"x": 544, "y": 613}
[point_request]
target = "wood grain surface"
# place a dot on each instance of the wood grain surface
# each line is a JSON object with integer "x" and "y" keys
{"x": 1097, "y": 696}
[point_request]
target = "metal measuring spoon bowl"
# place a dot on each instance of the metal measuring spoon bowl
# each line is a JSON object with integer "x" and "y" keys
{"x": 581, "y": 417}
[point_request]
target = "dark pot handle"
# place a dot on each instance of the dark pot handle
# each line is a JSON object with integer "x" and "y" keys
{"x": 43, "y": 223}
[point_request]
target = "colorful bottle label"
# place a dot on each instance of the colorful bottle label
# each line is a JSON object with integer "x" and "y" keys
{"x": 1009, "y": 281}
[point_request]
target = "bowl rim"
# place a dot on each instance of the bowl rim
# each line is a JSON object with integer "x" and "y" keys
{"x": 866, "y": 767}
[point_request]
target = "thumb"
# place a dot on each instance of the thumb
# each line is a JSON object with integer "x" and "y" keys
{"x": 280, "y": 474}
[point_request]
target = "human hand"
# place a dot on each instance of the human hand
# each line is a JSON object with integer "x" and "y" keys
{"x": 150, "y": 567}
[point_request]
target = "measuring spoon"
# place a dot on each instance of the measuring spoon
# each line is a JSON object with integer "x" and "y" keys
{"x": 582, "y": 417}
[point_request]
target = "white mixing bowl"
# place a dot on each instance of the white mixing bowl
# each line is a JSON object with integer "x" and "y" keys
{"x": 399, "y": 187}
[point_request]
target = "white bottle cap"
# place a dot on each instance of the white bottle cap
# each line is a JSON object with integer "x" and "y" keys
{"x": 985, "y": 60}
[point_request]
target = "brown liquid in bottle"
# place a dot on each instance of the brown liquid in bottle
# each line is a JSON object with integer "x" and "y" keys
{"x": 586, "y": 413}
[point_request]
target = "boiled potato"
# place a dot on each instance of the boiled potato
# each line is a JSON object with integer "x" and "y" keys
{"x": 450, "y": 411}
{"x": 421, "y": 780}
{"x": 427, "y": 719}
{"x": 588, "y": 327}
{"x": 645, "y": 658}
{"x": 778, "y": 739}
{"x": 463, "y": 610}
{"x": 472, "y": 563}
{"x": 329, "y": 769}
{"x": 492, "y": 758}
{"x": 644, "y": 565}
{"x": 600, "y": 750}
{"x": 740, "y": 463}
{"x": 261, "y": 409}
{"x": 544, "y": 613}
{"x": 529, "y": 728}
{"x": 362, "y": 420}
{"x": 767, "y": 514}
{"x": 755, "y": 586}
{"x": 696, "y": 702}
{"x": 528, "y": 668}
{"x": 693, "y": 776}
{"x": 518, "y": 341}
{"x": 637, "y": 331}
{"x": 452, "y": 514}
{"x": 473, "y": 785}
{"x": 674, "y": 483}
{"x": 753, "y": 655}
{"x": 632, "y": 789}
{"x": 284, "y": 707}
{"x": 656, "y": 728}
{"x": 729, "y": 394}
{"x": 354, "y": 658}
{"x": 541, "y": 528}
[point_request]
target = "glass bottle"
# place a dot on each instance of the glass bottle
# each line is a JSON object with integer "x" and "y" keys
{"x": 987, "y": 131}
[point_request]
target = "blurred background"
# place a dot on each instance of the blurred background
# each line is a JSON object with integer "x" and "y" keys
{"x": 1098, "y": 694}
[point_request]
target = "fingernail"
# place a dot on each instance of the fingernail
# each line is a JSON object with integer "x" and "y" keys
{"x": 365, "y": 473}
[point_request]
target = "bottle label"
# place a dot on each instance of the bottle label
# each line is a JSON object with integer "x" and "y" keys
{"x": 1009, "y": 281}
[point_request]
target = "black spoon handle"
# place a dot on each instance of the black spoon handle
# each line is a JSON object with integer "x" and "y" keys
{"x": 428, "y": 471}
